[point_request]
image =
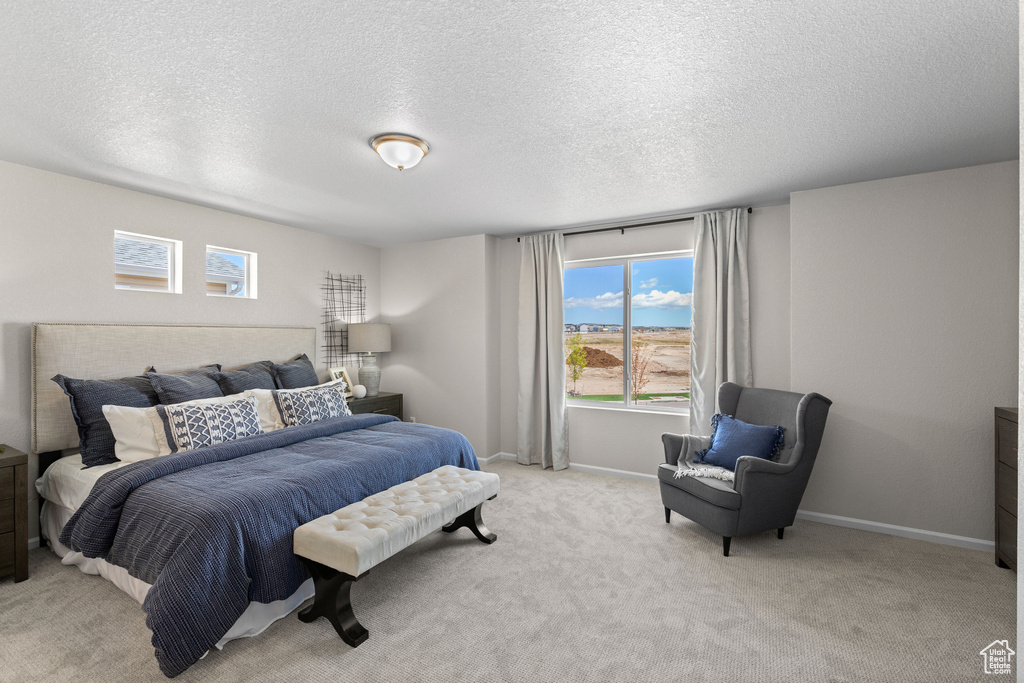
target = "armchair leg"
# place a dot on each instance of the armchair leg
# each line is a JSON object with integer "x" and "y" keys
{"x": 726, "y": 540}
{"x": 668, "y": 515}
{"x": 781, "y": 529}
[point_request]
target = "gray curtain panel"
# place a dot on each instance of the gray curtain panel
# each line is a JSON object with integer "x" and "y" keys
{"x": 542, "y": 421}
{"x": 720, "y": 345}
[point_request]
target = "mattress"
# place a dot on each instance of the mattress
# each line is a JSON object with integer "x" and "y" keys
{"x": 64, "y": 487}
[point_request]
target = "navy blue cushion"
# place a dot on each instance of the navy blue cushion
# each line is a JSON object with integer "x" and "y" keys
{"x": 252, "y": 376}
{"x": 295, "y": 374}
{"x": 186, "y": 386}
{"x": 88, "y": 396}
{"x": 732, "y": 438}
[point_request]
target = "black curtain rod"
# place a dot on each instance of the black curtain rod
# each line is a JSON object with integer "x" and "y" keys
{"x": 624, "y": 228}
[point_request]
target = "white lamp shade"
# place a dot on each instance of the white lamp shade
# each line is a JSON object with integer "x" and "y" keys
{"x": 369, "y": 337}
{"x": 400, "y": 151}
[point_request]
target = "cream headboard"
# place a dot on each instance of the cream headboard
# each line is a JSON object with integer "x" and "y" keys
{"x": 109, "y": 351}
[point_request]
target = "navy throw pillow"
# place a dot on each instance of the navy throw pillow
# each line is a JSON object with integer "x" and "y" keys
{"x": 88, "y": 396}
{"x": 186, "y": 386}
{"x": 252, "y": 376}
{"x": 732, "y": 438}
{"x": 295, "y": 374}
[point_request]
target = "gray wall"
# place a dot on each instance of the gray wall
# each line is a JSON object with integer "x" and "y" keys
{"x": 56, "y": 236}
{"x": 904, "y": 313}
{"x": 440, "y": 298}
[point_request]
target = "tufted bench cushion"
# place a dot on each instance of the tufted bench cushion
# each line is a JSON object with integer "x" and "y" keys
{"x": 361, "y": 535}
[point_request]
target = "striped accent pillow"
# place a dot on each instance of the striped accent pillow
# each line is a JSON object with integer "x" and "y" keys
{"x": 305, "y": 406}
{"x": 183, "y": 427}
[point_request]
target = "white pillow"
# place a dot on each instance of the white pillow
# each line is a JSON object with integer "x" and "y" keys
{"x": 134, "y": 439}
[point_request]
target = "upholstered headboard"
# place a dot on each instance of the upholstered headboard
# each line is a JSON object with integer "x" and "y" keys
{"x": 109, "y": 351}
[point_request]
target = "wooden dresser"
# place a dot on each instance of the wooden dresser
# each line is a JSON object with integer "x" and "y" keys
{"x": 1006, "y": 487}
{"x": 13, "y": 513}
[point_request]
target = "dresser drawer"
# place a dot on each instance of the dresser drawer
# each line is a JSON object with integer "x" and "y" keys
{"x": 6, "y": 483}
{"x": 6, "y": 554}
{"x": 1006, "y": 488}
{"x": 1007, "y": 438}
{"x": 6, "y": 516}
{"x": 1006, "y": 532}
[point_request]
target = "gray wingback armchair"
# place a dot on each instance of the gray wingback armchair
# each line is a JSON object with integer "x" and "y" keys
{"x": 765, "y": 494}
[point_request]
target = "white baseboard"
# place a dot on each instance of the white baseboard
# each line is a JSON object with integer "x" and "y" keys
{"x": 613, "y": 472}
{"x": 894, "y": 530}
{"x": 33, "y": 543}
{"x": 497, "y": 456}
{"x": 835, "y": 520}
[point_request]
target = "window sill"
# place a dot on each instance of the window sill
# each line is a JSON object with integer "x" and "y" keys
{"x": 680, "y": 412}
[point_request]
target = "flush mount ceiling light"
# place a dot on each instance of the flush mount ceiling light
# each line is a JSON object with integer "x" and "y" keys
{"x": 399, "y": 151}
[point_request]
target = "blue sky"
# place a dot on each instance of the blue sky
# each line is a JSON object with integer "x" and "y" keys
{"x": 662, "y": 292}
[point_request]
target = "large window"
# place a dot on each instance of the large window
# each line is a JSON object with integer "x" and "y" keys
{"x": 146, "y": 263}
{"x": 627, "y": 331}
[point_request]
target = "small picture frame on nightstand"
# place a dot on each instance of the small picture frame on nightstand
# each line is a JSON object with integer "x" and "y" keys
{"x": 342, "y": 373}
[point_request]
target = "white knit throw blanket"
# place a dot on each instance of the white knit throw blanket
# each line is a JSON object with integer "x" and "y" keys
{"x": 686, "y": 469}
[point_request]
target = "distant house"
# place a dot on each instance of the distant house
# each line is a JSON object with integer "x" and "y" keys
{"x": 223, "y": 277}
{"x": 571, "y": 329}
{"x": 141, "y": 265}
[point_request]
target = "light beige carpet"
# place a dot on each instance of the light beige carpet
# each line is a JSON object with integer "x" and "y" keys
{"x": 585, "y": 583}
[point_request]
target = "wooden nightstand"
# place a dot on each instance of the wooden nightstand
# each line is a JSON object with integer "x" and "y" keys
{"x": 13, "y": 513}
{"x": 1006, "y": 487}
{"x": 384, "y": 403}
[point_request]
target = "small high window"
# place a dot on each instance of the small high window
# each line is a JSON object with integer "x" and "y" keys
{"x": 146, "y": 263}
{"x": 230, "y": 272}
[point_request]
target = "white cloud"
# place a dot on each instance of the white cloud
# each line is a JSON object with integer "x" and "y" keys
{"x": 669, "y": 300}
{"x": 602, "y": 302}
{"x": 649, "y": 284}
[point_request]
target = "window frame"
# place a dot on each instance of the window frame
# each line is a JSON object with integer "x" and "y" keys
{"x": 627, "y": 324}
{"x": 174, "y": 258}
{"x": 249, "y": 282}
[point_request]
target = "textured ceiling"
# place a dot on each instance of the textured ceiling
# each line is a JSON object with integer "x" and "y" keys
{"x": 539, "y": 114}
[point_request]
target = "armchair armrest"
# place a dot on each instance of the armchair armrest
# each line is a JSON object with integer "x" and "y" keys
{"x": 758, "y": 472}
{"x": 683, "y": 446}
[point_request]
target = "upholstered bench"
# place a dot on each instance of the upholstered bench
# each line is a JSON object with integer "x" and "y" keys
{"x": 341, "y": 547}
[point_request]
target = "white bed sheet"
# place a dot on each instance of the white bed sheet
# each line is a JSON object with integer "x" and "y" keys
{"x": 64, "y": 487}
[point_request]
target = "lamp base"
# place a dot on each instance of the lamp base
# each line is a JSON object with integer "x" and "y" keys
{"x": 369, "y": 375}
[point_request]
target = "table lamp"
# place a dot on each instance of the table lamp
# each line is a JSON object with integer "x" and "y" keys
{"x": 369, "y": 338}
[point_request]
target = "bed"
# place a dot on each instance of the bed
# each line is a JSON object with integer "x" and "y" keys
{"x": 202, "y": 538}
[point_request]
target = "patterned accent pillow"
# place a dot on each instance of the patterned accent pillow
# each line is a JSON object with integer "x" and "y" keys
{"x": 305, "y": 406}
{"x": 185, "y": 427}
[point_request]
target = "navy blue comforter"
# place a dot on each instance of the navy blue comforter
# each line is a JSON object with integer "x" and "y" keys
{"x": 211, "y": 529}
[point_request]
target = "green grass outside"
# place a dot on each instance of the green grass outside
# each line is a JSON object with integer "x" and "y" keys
{"x": 618, "y": 397}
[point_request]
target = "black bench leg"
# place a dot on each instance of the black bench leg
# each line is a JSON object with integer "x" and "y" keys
{"x": 332, "y": 600}
{"x": 475, "y": 522}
